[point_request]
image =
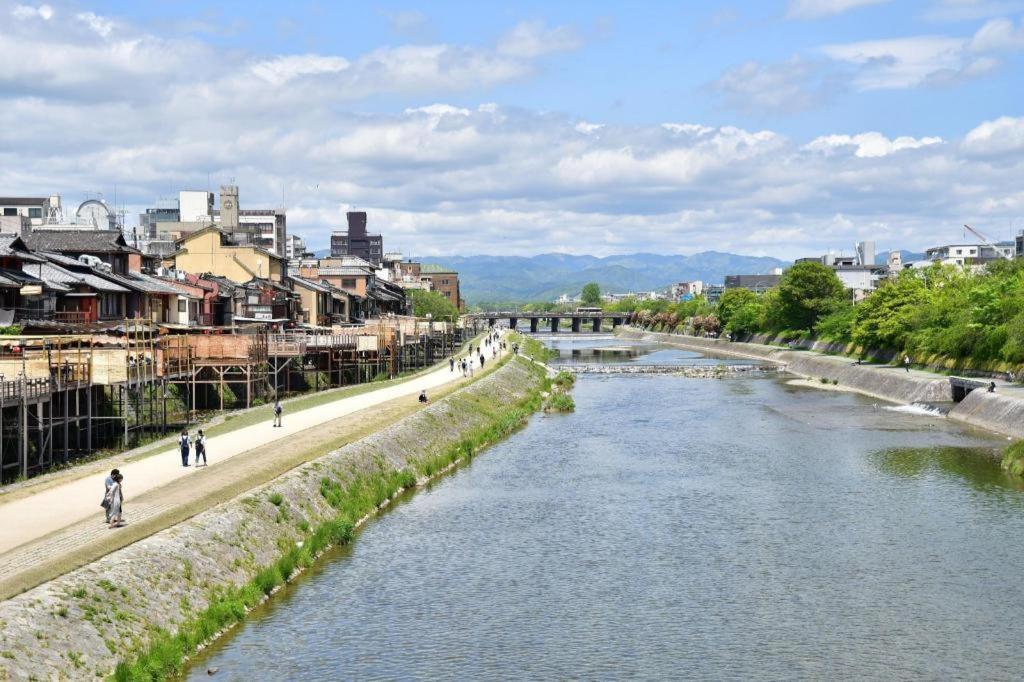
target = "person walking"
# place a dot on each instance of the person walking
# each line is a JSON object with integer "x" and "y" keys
{"x": 277, "y": 412}
{"x": 116, "y": 496}
{"x": 200, "y": 448}
{"x": 470, "y": 363}
{"x": 108, "y": 483}
{"x": 482, "y": 362}
{"x": 183, "y": 443}
{"x": 906, "y": 363}
{"x": 451, "y": 364}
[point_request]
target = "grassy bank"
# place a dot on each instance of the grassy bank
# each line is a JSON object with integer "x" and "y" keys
{"x": 352, "y": 500}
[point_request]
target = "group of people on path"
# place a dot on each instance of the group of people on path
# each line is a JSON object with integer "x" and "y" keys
{"x": 184, "y": 443}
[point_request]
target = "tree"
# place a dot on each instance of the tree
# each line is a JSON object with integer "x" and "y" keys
{"x": 432, "y": 303}
{"x": 591, "y": 295}
{"x": 731, "y": 301}
{"x": 808, "y": 291}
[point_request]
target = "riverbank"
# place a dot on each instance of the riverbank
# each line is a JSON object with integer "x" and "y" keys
{"x": 174, "y": 590}
{"x": 993, "y": 411}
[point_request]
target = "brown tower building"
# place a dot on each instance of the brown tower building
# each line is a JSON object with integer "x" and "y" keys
{"x": 356, "y": 242}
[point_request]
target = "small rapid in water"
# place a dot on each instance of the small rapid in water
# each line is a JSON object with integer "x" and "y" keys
{"x": 921, "y": 409}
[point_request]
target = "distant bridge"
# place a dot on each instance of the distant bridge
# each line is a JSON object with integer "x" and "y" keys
{"x": 552, "y": 320}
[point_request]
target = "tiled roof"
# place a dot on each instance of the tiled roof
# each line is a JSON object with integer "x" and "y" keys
{"x": 310, "y": 284}
{"x": 13, "y": 246}
{"x": 85, "y": 241}
{"x": 53, "y": 273}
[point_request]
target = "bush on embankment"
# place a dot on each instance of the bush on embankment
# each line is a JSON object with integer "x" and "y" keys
{"x": 1013, "y": 459}
{"x": 191, "y": 581}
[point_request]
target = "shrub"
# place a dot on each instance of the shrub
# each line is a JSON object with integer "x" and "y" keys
{"x": 560, "y": 402}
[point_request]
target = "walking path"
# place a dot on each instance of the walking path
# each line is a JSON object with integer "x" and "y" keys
{"x": 34, "y": 516}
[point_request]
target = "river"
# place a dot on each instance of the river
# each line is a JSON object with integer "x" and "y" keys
{"x": 741, "y": 528}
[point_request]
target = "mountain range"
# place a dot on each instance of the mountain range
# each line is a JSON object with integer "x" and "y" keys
{"x": 515, "y": 279}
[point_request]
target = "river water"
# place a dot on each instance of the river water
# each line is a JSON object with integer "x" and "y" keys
{"x": 742, "y": 528}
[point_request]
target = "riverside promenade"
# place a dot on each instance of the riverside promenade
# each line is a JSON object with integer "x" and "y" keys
{"x": 55, "y": 523}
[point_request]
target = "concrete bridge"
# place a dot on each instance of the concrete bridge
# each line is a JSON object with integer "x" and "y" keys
{"x": 552, "y": 320}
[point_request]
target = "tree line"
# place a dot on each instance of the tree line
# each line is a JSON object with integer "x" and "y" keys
{"x": 942, "y": 310}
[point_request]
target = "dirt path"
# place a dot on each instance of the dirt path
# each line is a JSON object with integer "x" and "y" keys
{"x": 40, "y": 513}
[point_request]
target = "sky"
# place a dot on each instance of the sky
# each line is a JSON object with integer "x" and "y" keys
{"x": 785, "y": 128}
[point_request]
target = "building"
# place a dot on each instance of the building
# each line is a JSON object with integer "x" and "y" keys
{"x": 295, "y": 248}
{"x": 970, "y": 254}
{"x": 37, "y": 210}
{"x": 713, "y": 292}
{"x": 212, "y": 250}
{"x": 194, "y": 210}
{"x": 89, "y": 246}
{"x": 756, "y": 283}
{"x": 684, "y": 291}
{"x": 857, "y": 272}
{"x": 444, "y": 282}
{"x": 356, "y": 241}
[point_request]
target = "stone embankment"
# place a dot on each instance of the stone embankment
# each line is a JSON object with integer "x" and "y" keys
{"x": 994, "y": 411}
{"x": 80, "y": 625}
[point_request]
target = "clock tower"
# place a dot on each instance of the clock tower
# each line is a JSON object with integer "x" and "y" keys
{"x": 229, "y": 208}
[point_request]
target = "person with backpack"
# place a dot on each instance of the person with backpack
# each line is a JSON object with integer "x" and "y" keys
{"x": 108, "y": 483}
{"x": 183, "y": 443}
{"x": 277, "y": 412}
{"x": 200, "y": 448}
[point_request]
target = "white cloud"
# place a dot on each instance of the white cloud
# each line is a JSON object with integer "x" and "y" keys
{"x": 815, "y": 9}
{"x": 22, "y": 12}
{"x": 869, "y": 145}
{"x": 1005, "y": 135}
{"x": 998, "y": 35}
{"x": 530, "y": 39}
{"x": 153, "y": 114}
{"x": 100, "y": 25}
{"x": 900, "y": 62}
{"x": 790, "y": 86}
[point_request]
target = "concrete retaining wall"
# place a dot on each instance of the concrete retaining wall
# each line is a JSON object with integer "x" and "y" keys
{"x": 79, "y": 625}
{"x": 993, "y": 411}
{"x": 885, "y": 383}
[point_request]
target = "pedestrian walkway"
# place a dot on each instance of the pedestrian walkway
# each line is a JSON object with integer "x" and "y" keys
{"x": 52, "y": 509}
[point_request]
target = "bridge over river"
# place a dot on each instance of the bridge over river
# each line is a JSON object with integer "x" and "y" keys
{"x": 580, "y": 319}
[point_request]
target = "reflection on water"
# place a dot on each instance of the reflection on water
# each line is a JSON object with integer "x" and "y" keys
{"x": 675, "y": 528}
{"x": 977, "y": 467}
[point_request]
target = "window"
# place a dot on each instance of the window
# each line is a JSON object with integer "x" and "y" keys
{"x": 348, "y": 284}
{"x": 10, "y": 211}
{"x": 35, "y": 212}
{"x": 182, "y": 305}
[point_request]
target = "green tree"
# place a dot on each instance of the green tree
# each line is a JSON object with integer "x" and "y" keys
{"x": 807, "y": 291}
{"x": 432, "y": 303}
{"x": 747, "y": 318}
{"x": 731, "y": 301}
{"x": 591, "y": 295}
{"x": 886, "y": 318}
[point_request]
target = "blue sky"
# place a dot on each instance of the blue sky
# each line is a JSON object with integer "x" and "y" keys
{"x": 775, "y": 127}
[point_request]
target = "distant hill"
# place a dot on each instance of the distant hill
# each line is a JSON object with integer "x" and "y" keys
{"x": 907, "y": 256}
{"x": 509, "y": 279}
